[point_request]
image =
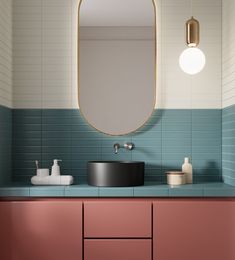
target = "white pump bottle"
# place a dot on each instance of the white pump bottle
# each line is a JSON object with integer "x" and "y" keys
{"x": 55, "y": 170}
{"x": 188, "y": 170}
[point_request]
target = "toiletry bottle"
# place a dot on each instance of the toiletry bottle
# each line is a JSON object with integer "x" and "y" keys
{"x": 55, "y": 170}
{"x": 188, "y": 170}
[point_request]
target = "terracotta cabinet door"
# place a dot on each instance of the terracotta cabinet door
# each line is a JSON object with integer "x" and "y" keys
{"x": 5, "y": 231}
{"x": 117, "y": 249}
{"x": 194, "y": 229}
{"x": 46, "y": 230}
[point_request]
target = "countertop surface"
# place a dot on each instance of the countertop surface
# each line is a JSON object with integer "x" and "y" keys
{"x": 150, "y": 189}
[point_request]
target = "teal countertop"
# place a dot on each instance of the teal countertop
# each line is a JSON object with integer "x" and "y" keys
{"x": 148, "y": 190}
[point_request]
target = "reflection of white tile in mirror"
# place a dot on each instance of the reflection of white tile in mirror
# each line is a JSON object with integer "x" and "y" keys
{"x": 117, "y": 13}
{"x": 117, "y": 64}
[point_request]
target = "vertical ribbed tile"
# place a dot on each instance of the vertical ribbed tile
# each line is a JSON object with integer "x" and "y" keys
{"x": 168, "y": 137}
{"x": 206, "y": 144}
{"x": 6, "y": 53}
{"x": 228, "y": 144}
{"x": 5, "y": 144}
{"x": 56, "y": 138}
{"x": 85, "y": 145}
{"x": 27, "y": 54}
{"x": 176, "y": 138}
{"x": 56, "y": 54}
{"x": 26, "y": 143}
{"x": 228, "y": 93}
{"x": 148, "y": 147}
{"x": 45, "y": 54}
{"x": 228, "y": 47}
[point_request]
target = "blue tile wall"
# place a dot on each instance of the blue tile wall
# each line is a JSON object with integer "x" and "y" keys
{"x": 5, "y": 144}
{"x": 228, "y": 144}
{"x": 162, "y": 143}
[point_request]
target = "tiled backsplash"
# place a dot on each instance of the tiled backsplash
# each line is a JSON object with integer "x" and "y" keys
{"x": 162, "y": 143}
{"x": 228, "y": 147}
{"x": 228, "y": 92}
{"x": 5, "y": 144}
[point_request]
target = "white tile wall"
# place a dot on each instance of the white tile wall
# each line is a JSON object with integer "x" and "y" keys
{"x": 5, "y": 53}
{"x": 228, "y": 72}
{"x": 44, "y": 54}
{"x": 179, "y": 90}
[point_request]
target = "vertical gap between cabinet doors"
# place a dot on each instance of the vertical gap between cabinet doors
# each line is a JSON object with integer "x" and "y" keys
{"x": 83, "y": 249}
{"x": 152, "y": 231}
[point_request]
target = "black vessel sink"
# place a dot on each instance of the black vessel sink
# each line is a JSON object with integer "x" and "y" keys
{"x": 115, "y": 173}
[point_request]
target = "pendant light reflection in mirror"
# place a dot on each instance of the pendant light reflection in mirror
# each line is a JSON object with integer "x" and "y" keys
{"x": 192, "y": 60}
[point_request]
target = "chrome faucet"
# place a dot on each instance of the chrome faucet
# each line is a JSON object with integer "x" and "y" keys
{"x": 116, "y": 148}
{"x": 127, "y": 146}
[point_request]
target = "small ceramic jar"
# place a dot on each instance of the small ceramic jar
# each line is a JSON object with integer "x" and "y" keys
{"x": 175, "y": 178}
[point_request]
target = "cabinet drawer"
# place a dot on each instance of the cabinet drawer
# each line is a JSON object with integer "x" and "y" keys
{"x": 121, "y": 219}
{"x": 117, "y": 249}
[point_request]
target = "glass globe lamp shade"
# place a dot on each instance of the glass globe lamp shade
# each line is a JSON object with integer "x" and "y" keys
{"x": 192, "y": 60}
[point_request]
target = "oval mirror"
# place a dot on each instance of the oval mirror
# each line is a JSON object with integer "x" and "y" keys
{"x": 117, "y": 63}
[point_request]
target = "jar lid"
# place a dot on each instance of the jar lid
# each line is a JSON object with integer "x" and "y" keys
{"x": 175, "y": 173}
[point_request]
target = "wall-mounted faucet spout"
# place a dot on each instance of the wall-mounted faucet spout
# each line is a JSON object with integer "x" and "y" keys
{"x": 127, "y": 146}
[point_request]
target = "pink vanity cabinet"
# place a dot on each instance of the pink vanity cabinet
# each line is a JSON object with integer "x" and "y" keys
{"x": 118, "y": 230}
{"x": 5, "y": 231}
{"x": 194, "y": 229}
{"x": 41, "y": 230}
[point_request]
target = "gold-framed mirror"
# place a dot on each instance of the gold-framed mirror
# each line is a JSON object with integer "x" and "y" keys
{"x": 117, "y": 56}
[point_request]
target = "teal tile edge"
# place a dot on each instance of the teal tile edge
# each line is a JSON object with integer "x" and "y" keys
{"x": 148, "y": 190}
{"x": 14, "y": 192}
{"x": 116, "y": 192}
{"x": 55, "y": 191}
{"x": 187, "y": 191}
{"x": 81, "y": 191}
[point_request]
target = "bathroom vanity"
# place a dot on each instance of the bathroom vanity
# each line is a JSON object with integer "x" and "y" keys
{"x": 117, "y": 228}
{"x": 119, "y": 63}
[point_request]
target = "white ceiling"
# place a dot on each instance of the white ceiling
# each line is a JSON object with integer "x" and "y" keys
{"x": 116, "y": 13}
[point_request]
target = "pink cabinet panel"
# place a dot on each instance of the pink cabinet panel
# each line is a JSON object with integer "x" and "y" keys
{"x": 5, "y": 231}
{"x": 117, "y": 249}
{"x": 194, "y": 230}
{"x": 106, "y": 219}
{"x": 45, "y": 230}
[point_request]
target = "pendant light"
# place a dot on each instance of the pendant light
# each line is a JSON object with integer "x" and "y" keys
{"x": 192, "y": 60}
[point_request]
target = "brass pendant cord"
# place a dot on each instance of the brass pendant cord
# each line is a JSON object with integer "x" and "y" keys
{"x": 191, "y": 8}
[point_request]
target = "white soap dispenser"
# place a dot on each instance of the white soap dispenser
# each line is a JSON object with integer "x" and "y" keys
{"x": 188, "y": 170}
{"x": 55, "y": 170}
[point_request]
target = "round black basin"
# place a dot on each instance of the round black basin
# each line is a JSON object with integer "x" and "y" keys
{"x": 115, "y": 173}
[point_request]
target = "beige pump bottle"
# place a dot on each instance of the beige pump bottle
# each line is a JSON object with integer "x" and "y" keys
{"x": 188, "y": 170}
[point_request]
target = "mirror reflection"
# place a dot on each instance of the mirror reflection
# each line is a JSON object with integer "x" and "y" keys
{"x": 117, "y": 63}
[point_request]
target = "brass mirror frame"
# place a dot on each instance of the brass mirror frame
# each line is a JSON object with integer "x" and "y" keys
{"x": 154, "y": 2}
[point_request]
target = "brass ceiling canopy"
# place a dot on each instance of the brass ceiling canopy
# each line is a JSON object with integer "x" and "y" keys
{"x": 192, "y": 32}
